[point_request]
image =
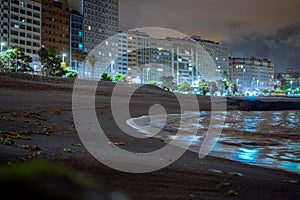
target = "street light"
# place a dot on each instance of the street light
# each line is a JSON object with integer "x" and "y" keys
{"x": 64, "y": 55}
{"x": 112, "y": 67}
{"x": 291, "y": 85}
{"x": 148, "y": 69}
{"x": 2, "y": 44}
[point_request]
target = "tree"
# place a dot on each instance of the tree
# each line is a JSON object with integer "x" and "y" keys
{"x": 204, "y": 87}
{"x": 234, "y": 88}
{"x": 53, "y": 66}
{"x": 78, "y": 57}
{"x": 168, "y": 83}
{"x": 220, "y": 86}
{"x": 226, "y": 82}
{"x": 153, "y": 83}
{"x": 14, "y": 60}
{"x": 69, "y": 72}
{"x": 119, "y": 78}
{"x": 185, "y": 87}
{"x": 43, "y": 54}
{"x": 106, "y": 77}
{"x": 92, "y": 60}
{"x": 213, "y": 88}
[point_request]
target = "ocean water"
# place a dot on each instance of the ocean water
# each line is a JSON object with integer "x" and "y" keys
{"x": 263, "y": 138}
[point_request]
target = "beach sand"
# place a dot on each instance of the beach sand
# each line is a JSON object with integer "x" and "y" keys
{"x": 39, "y": 110}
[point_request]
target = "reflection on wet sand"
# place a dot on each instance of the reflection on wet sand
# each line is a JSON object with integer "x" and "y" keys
{"x": 263, "y": 138}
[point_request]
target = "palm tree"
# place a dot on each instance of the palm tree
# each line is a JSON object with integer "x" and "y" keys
{"x": 43, "y": 54}
{"x": 92, "y": 60}
{"x": 204, "y": 87}
{"x": 78, "y": 56}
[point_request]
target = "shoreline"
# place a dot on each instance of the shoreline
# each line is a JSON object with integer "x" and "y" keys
{"x": 187, "y": 178}
{"x": 167, "y": 131}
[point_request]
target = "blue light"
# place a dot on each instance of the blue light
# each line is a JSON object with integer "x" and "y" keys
{"x": 247, "y": 155}
{"x": 80, "y": 33}
{"x": 80, "y": 46}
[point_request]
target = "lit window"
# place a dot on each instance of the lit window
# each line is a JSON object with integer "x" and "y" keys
{"x": 106, "y": 43}
{"x": 110, "y": 55}
{"x": 80, "y": 46}
{"x": 80, "y": 33}
{"x": 22, "y": 3}
{"x": 217, "y": 58}
{"x": 89, "y": 28}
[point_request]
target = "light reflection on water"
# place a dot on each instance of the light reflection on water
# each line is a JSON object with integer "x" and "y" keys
{"x": 264, "y": 138}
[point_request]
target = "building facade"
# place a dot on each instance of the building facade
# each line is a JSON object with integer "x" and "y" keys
{"x": 287, "y": 80}
{"x": 218, "y": 52}
{"x": 76, "y": 35}
{"x": 25, "y": 20}
{"x": 252, "y": 74}
{"x": 56, "y": 27}
{"x": 101, "y": 21}
{"x": 4, "y": 19}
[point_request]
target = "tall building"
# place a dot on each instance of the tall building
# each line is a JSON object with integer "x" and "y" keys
{"x": 252, "y": 74}
{"x": 25, "y": 28}
{"x": 4, "y": 19}
{"x": 161, "y": 59}
{"x": 219, "y": 53}
{"x": 101, "y": 20}
{"x": 76, "y": 34}
{"x": 185, "y": 63}
{"x": 287, "y": 80}
{"x": 56, "y": 27}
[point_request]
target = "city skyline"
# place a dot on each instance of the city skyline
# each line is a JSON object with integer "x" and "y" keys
{"x": 250, "y": 28}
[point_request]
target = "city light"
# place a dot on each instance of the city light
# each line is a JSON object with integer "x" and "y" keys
{"x": 2, "y": 44}
{"x": 63, "y": 57}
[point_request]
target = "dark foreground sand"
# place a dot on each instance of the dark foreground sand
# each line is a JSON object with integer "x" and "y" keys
{"x": 39, "y": 113}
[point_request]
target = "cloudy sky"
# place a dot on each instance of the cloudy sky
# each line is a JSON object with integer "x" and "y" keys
{"x": 261, "y": 28}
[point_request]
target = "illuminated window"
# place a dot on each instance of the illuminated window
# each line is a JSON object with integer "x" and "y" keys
{"x": 89, "y": 28}
{"x": 22, "y": 3}
{"x": 80, "y": 46}
{"x": 80, "y": 33}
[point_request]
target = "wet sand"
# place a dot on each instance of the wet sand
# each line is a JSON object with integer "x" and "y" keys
{"x": 46, "y": 110}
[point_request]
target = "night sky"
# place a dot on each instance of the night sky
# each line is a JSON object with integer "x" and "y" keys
{"x": 261, "y": 28}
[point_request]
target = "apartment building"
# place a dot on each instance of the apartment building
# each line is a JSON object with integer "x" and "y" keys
{"x": 4, "y": 31}
{"x": 76, "y": 35}
{"x": 218, "y": 52}
{"x": 252, "y": 74}
{"x": 101, "y": 21}
{"x": 56, "y": 27}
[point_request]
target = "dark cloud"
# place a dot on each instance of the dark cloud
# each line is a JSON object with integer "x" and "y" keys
{"x": 282, "y": 48}
{"x": 267, "y": 28}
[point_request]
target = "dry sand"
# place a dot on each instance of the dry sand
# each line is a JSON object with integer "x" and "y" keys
{"x": 44, "y": 107}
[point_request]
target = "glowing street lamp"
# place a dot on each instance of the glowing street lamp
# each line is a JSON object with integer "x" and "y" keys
{"x": 112, "y": 66}
{"x": 148, "y": 69}
{"x": 64, "y": 55}
{"x": 2, "y": 44}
